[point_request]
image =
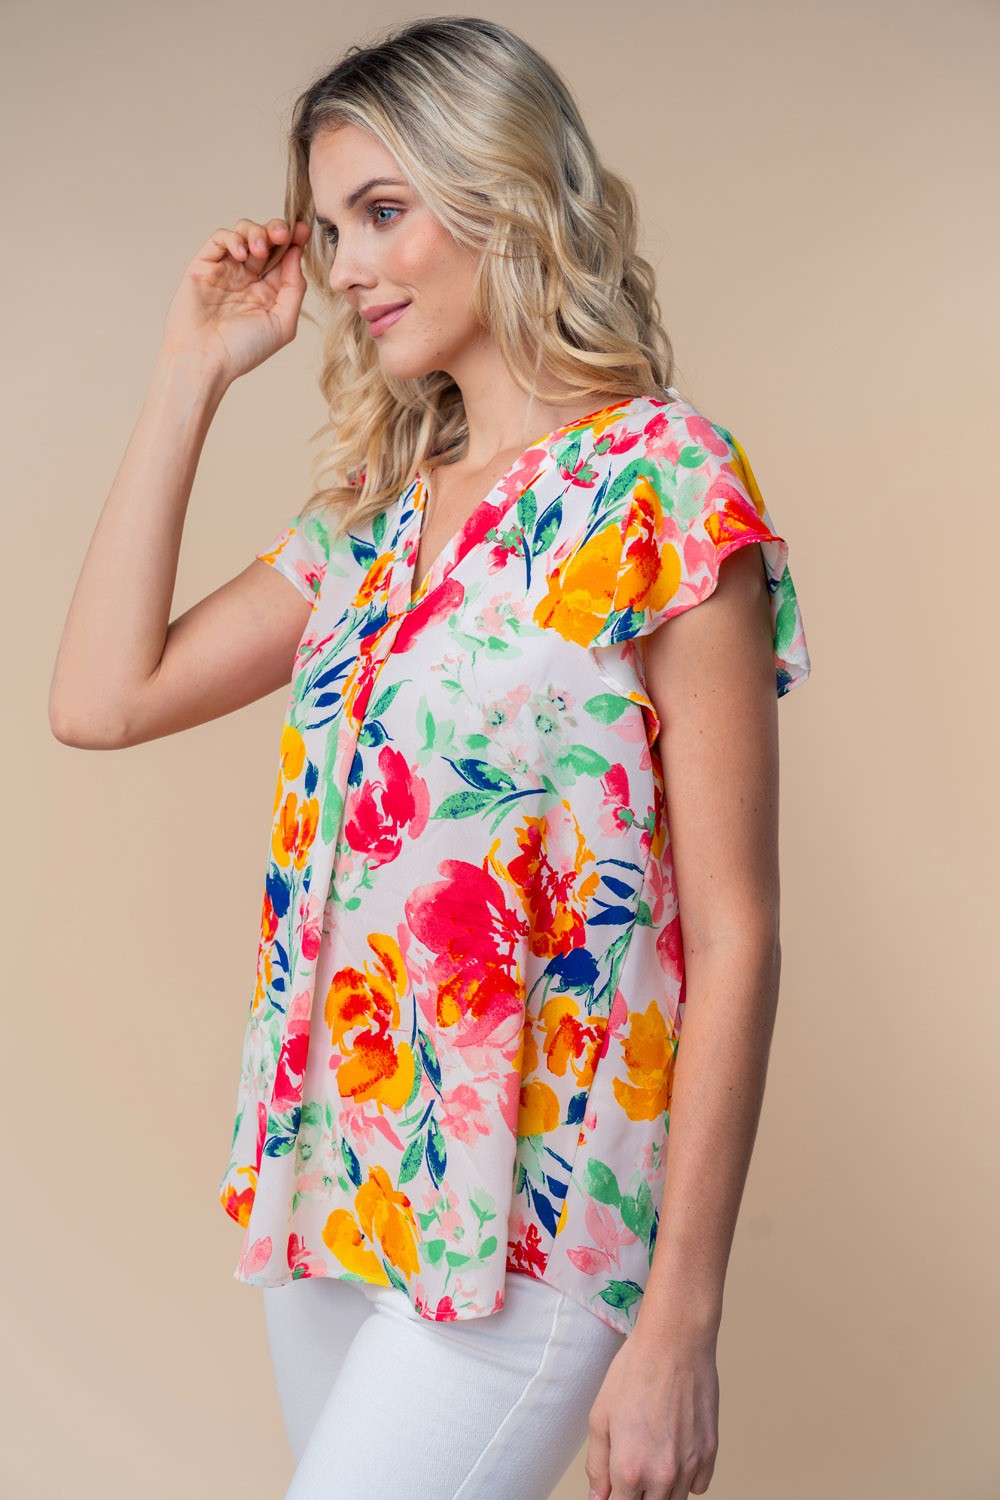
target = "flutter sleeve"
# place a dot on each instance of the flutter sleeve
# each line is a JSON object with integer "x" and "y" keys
{"x": 696, "y": 502}
{"x": 301, "y": 552}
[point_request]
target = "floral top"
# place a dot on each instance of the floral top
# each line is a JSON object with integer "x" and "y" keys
{"x": 470, "y": 987}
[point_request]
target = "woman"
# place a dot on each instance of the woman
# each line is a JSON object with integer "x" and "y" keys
{"x": 450, "y": 1149}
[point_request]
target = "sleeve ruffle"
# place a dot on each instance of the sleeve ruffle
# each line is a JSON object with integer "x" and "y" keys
{"x": 685, "y": 517}
{"x": 301, "y": 552}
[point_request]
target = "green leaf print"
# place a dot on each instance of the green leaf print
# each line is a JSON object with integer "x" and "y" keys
{"x": 464, "y": 804}
{"x": 332, "y": 800}
{"x": 384, "y": 700}
{"x": 581, "y": 760}
{"x": 480, "y": 774}
{"x": 637, "y": 1212}
{"x": 433, "y": 1250}
{"x": 437, "y": 1152}
{"x": 428, "y": 1060}
{"x": 786, "y": 620}
{"x": 488, "y": 1247}
{"x": 548, "y": 525}
{"x": 412, "y": 1158}
{"x": 689, "y": 499}
{"x": 482, "y": 1206}
{"x": 606, "y": 707}
{"x": 601, "y": 1184}
{"x": 394, "y": 1277}
{"x": 456, "y": 1258}
{"x": 527, "y": 509}
{"x": 351, "y": 1162}
{"x": 621, "y": 1294}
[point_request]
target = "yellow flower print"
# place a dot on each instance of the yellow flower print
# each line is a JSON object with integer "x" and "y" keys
{"x": 342, "y": 1236}
{"x": 571, "y": 1041}
{"x": 611, "y": 572}
{"x": 580, "y": 590}
{"x": 651, "y": 570}
{"x": 374, "y": 1066}
{"x": 552, "y": 879}
{"x": 239, "y": 1205}
{"x": 388, "y": 1217}
{"x": 649, "y": 1051}
{"x": 294, "y": 830}
{"x": 291, "y": 759}
{"x": 539, "y": 1109}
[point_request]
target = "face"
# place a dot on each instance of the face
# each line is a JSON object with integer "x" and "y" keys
{"x": 387, "y": 248}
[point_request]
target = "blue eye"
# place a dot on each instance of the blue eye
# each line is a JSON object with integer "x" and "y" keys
{"x": 329, "y": 233}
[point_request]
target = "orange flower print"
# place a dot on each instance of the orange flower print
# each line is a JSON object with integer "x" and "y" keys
{"x": 555, "y": 877}
{"x": 651, "y": 570}
{"x": 291, "y": 759}
{"x": 639, "y": 570}
{"x": 374, "y": 1066}
{"x": 238, "y": 1205}
{"x": 343, "y": 1237}
{"x": 294, "y": 830}
{"x": 569, "y": 1044}
{"x": 649, "y": 1050}
{"x": 572, "y": 1041}
{"x": 374, "y": 580}
{"x": 737, "y": 516}
{"x": 580, "y": 590}
{"x": 384, "y": 1217}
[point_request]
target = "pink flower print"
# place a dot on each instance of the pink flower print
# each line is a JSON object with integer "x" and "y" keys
{"x": 380, "y": 811}
{"x": 463, "y": 1114}
{"x": 287, "y": 1092}
{"x": 492, "y": 619}
{"x": 254, "y": 1257}
{"x": 301, "y": 1260}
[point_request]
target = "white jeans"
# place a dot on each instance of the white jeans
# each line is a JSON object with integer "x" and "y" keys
{"x": 382, "y": 1404}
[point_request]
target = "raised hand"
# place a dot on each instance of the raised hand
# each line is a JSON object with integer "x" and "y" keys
{"x": 224, "y": 311}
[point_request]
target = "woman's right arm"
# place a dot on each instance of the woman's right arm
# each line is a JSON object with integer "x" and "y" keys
{"x": 125, "y": 673}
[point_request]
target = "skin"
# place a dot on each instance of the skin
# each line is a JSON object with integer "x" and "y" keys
{"x": 126, "y": 673}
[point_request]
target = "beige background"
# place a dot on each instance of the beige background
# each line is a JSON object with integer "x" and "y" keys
{"x": 818, "y": 185}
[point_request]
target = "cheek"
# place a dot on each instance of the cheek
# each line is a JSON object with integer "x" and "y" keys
{"x": 429, "y": 257}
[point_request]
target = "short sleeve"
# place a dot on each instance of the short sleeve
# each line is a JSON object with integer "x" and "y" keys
{"x": 301, "y": 551}
{"x": 695, "y": 502}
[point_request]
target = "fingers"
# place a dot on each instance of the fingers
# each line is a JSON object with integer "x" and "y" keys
{"x": 251, "y": 243}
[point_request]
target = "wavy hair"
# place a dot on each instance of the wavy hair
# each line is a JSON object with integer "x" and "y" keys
{"x": 513, "y": 175}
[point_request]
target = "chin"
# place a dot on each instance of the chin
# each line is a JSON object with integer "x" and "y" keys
{"x": 406, "y": 367}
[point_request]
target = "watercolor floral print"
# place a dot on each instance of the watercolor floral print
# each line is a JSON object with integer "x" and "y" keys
{"x": 470, "y": 988}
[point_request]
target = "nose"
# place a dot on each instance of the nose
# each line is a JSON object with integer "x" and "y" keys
{"x": 348, "y": 270}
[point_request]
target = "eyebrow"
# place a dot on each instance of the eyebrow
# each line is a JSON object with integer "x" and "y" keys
{"x": 365, "y": 187}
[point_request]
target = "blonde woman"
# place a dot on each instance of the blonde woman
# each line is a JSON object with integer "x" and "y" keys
{"x": 525, "y": 821}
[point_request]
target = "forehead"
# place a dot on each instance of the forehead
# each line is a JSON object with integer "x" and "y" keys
{"x": 341, "y": 160}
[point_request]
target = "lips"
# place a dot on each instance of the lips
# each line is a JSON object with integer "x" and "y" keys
{"x": 385, "y": 320}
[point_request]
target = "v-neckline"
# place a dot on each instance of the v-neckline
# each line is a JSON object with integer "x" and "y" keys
{"x": 462, "y": 540}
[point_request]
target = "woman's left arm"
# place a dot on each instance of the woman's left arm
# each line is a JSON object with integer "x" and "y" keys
{"x": 710, "y": 674}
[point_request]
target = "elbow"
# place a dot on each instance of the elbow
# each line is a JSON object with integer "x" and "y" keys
{"x": 85, "y": 731}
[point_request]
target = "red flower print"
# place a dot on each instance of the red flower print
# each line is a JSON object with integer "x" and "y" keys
{"x": 380, "y": 809}
{"x": 465, "y": 921}
{"x": 287, "y": 1092}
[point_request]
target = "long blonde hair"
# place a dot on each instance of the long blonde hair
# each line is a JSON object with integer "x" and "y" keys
{"x": 492, "y": 140}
